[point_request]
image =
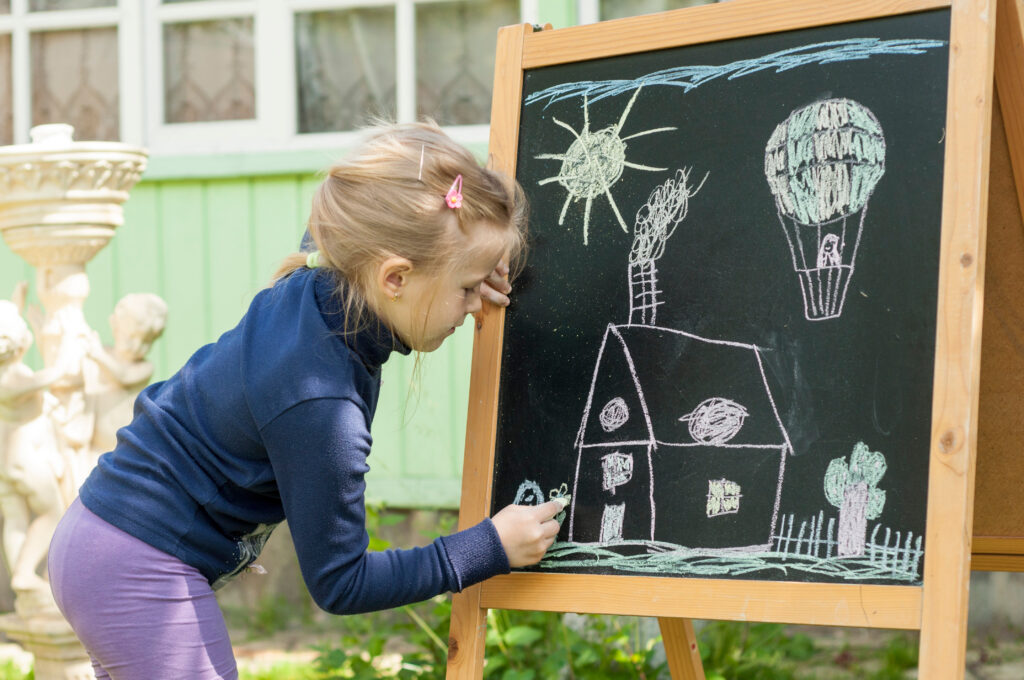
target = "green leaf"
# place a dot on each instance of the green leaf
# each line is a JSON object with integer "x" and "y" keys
{"x": 378, "y": 544}
{"x": 586, "y": 657}
{"x": 391, "y": 519}
{"x": 835, "y": 481}
{"x": 522, "y": 636}
{"x": 516, "y": 674}
{"x": 493, "y": 636}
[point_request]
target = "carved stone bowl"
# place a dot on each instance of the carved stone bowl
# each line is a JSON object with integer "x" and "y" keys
{"x": 61, "y": 200}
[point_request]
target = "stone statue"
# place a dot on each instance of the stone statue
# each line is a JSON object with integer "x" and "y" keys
{"x": 64, "y": 337}
{"x": 60, "y": 204}
{"x": 32, "y": 471}
{"x": 138, "y": 320}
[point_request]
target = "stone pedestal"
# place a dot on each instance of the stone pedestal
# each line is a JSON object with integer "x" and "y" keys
{"x": 58, "y": 653}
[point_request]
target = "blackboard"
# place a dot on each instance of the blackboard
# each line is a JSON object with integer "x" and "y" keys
{"x": 697, "y": 436}
{"x": 524, "y": 428}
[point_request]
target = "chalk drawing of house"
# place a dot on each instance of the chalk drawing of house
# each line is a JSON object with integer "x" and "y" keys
{"x": 680, "y": 441}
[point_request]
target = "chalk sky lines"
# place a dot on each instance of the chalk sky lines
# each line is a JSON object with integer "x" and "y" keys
{"x": 689, "y": 77}
{"x": 594, "y": 162}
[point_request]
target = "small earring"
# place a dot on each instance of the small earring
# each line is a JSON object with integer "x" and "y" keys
{"x": 395, "y": 298}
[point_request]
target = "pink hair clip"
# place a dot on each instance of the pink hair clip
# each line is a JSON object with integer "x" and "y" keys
{"x": 454, "y": 196}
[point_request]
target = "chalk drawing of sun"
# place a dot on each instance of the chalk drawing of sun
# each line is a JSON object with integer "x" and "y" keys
{"x": 594, "y": 162}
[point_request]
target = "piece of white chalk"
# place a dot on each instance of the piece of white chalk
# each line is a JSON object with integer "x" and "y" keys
{"x": 564, "y": 500}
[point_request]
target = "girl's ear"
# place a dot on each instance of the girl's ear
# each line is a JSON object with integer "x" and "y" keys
{"x": 392, "y": 275}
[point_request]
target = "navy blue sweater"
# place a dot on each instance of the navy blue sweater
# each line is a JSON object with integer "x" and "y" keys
{"x": 271, "y": 422}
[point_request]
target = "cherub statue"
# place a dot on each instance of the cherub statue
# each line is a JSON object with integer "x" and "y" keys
{"x": 62, "y": 336}
{"x": 31, "y": 468}
{"x": 138, "y": 320}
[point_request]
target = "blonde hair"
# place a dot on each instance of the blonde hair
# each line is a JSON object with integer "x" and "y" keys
{"x": 388, "y": 198}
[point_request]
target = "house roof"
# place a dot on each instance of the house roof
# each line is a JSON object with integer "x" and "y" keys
{"x": 653, "y": 383}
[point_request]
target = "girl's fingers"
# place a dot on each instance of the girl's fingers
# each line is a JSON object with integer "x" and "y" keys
{"x": 498, "y": 281}
{"x": 493, "y": 296}
{"x": 546, "y": 511}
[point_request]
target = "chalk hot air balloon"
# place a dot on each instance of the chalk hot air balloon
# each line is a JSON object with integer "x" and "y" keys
{"x": 822, "y": 164}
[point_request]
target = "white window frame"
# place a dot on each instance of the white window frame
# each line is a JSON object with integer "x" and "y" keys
{"x": 207, "y": 136}
{"x": 275, "y": 127}
{"x": 589, "y": 11}
{"x": 139, "y": 25}
{"x": 20, "y": 24}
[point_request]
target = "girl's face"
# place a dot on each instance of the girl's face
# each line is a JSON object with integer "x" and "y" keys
{"x": 431, "y": 307}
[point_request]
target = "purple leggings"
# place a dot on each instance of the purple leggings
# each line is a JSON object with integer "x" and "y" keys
{"x": 140, "y": 613}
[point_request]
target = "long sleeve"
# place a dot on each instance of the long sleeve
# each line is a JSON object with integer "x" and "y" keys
{"x": 318, "y": 449}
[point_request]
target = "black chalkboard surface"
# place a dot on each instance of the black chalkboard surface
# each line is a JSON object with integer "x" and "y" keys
{"x": 722, "y": 345}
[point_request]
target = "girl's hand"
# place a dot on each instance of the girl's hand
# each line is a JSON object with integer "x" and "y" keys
{"x": 527, "y": 531}
{"x": 495, "y": 287}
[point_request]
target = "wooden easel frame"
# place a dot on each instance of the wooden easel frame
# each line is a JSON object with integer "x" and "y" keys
{"x": 938, "y": 608}
{"x": 993, "y": 552}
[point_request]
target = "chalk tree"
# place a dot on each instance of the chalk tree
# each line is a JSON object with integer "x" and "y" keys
{"x": 853, "y": 489}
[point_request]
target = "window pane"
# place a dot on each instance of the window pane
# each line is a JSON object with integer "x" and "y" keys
{"x": 346, "y": 67}
{"x": 6, "y": 111}
{"x": 616, "y": 9}
{"x": 455, "y": 58}
{"x": 74, "y": 80}
{"x": 209, "y": 71}
{"x": 45, "y": 5}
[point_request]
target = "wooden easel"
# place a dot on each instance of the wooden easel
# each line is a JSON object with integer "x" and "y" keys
{"x": 998, "y": 520}
{"x": 939, "y": 608}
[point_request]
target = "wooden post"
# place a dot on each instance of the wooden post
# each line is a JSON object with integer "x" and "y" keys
{"x": 949, "y": 524}
{"x": 999, "y": 519}
{"x": 680, "y": 642}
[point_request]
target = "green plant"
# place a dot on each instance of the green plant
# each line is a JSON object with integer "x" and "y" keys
{"x": 282, "y": 671}
{"x": 751, "y": 651}
{"x": 9, "y": 670}
{"x": 899, "y": 656}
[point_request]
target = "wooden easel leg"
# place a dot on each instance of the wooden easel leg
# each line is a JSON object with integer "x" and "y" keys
{"x": 681, "y": 649}
{"x": 467, "y": 636}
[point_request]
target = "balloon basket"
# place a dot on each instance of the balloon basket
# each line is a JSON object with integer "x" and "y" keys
{"x": 824, "y": 291}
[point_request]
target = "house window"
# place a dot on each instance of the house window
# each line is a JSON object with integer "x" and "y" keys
{"x": 715, "y": 421}
{"x": 61, "y": 59}
{"x": 611, "y": 522}
{"x": 247, "y": 75}
{"x": 455, "y": 58}
{"x": 616, "y": 470}
{"x": 614, "y": 414}
{"x": 723, "y": 497}
{"x": 74, "y": 80}
{"x": 193, "y": 91}
{"x": 48, "y": 5}
{"x": 601, "y": 10}
{"x": 331, "y": 98}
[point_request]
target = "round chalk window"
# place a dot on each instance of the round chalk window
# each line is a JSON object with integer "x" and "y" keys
{"x": 614, "y": 414}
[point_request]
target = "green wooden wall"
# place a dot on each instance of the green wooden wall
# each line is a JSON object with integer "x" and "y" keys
{"x": 206, "y": 246}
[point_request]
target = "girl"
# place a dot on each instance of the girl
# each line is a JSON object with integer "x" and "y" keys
{"x": 273, "y": 421}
